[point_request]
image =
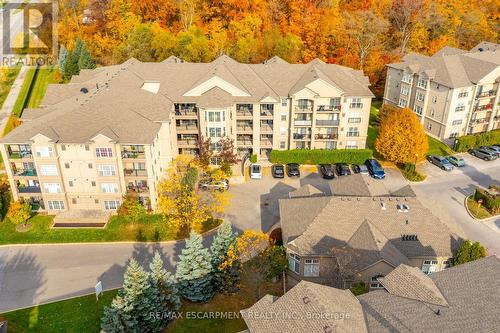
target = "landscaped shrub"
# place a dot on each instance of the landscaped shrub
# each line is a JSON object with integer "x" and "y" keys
{"x": 410, "y": 172}
{"x": 475, "y": 140}
{"x": 359, "y": 288}
{"x": 490, "y": 199}
{"x": 321, "y": 156}
{"x": 253, "y": 158}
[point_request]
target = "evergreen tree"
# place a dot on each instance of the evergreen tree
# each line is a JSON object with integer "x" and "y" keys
{"x": 85, "y": 60}
{"x": 469, "y": 251}
{"x": 163, "y": 297}
{"x": 63, "y": 55}
{"x": 70, "y": 66}
{"x": 226, "y": 277}
{"x": 118, "y": 317}
{"x": 194, "y": 271}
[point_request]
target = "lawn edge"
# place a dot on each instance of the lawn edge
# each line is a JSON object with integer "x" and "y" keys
{"x": 475, "y": 218}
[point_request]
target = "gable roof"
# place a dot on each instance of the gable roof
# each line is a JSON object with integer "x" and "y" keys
{"x": 358, "y": 185}
{"x": 314, "y": 304}
{"x": 306, "y": 191}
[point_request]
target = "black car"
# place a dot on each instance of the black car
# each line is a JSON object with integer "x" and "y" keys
{"x": 360, "y": 168}
{"x": 278, "y": 171}
{"x": 327, "y": 171}
{"x": 342, "y": 169}
{"x": 292, "y": 170}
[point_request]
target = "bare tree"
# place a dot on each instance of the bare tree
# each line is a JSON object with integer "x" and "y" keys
{"x": 403, "y": 15}
{"x": 187, "y": 12}
{"x": 365, "y": 28}
{"x": 227, "y": 154}
{"x": 205, "y": 153}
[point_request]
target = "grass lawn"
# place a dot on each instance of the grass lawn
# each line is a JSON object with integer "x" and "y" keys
{"x": 7, "y": 75}
{"x": 436, "y": 147}
{"x": 479, "y": 212}
{"x": 153, "y": 228}
{"x": 77, "y": 315}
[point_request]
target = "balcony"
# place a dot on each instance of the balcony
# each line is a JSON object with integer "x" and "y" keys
{"x": 330, "y": 136}
{"x": 135, "y": 172}
{"x": 329, "y": 108}
{"x": 320, "y": 122}
{"x": 186, "y": 143}
{"x": 486, "y": 94}
{"x": 479, "y": 108}
{"x": 266, "y": 114}
{"x": 244, "y": 113}
{"x": 303, "y": 108}
{"x": 479, "y": 121}
{"x": 244, "y": 129}
{"x": 24, "y": 172}
{"x": 302, "y": 122}
{"x": 187, "y": 128}
{"x": 133, "y": 151}
{"x": 28, "y": 189}
{"x": 138, "y": 188}
{"x": 186, "y": 112}
{"x": 266, "y": 128}
{"x": 266, "y": 143}
{"x": 354, "y": 120}
{"x": 244, "y": 143}
{"x": 19, "y": 154}
{"x": 301, "y": 136}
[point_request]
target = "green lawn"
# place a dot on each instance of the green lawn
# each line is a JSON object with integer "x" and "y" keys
{"x": 8, "y": 76}
{"x": 152, "y": 228}
{"x": 436, "y": 147}
{"x": 77, "y": 315}
{"x": 479, "y": 212}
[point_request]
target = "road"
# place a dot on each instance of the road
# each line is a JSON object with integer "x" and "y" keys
{"x": 35, "y": 274}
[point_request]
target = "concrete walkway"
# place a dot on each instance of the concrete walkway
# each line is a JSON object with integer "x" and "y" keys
{"x": 11, "y": 99}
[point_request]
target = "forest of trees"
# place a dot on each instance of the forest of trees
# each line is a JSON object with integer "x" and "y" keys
{"x": 362, "y": 34}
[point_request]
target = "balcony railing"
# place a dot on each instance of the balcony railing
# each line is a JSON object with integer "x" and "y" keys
{"x": 301, "y": 136}
{"x": 244, "y": 113}
{"x": 244, "y": 143}
{"x": 302, "y": 122}
{"x": 352, "y": 134}
{"x": 138, "y": 189}
{"x": 187, "y": 112}
{"x": 20, "y": 154}
{"x": 135, "y": 172}
{"x": 25, "y": 172}
{"x": 244, "y": 128}
{"x": 320, "y": 122}
{"x": 266, "y": 143}
{"x": 356, "y": 105}
{"x": 28, "y": 189}
{"x": 184, "y": 127}
{"x": 326, "y": 136}
{"x": 328, "y": 108}
{"x": 490, "y": 93}
{"x": 266, "y": 128}
{"x": 479, "y": 121}
{"x": 483, "y": 107}
{"x": 186, "y": 142}
{"x": 354, "y": 120}
{"x": 304, "y": 108}
{"x": 266, "y": 113}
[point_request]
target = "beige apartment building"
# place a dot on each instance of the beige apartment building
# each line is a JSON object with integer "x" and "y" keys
{"x": 115, "y": 129}
{"x": 454, "y": 92}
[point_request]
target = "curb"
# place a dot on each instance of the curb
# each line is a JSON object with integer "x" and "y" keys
{"x": 479, "y": 220}
{"x": 203, "y": 235}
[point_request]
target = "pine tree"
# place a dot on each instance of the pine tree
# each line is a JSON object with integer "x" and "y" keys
{"x": 194, "y": 271}
{"x": 63, "y": 55}
{"x": 85, "y": 60}
{"x": 226, "y": 277}
{"x": 70, "y": 66}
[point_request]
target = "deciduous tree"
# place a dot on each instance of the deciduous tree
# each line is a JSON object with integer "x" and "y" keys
{"x": 19, "y": 212}
{"x": 402, "y": 138}
{"x": 467, "y": 252}
{"x": 404, "y": 16}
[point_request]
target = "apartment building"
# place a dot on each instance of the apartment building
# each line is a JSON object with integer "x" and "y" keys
{"x": 454, "y": 92}
{"x": 115, "y": 129}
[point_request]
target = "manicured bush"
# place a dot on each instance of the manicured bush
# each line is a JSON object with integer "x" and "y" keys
{"x": 475, "y": 140}
{"x": 253, "y": 158}
{"x": 489, "y": 200}
{"x": 321, "y": 156}
{"x": 410, "y": 172}
{"x": 359, "y": 288}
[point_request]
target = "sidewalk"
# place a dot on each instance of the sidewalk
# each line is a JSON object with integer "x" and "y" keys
{"x": 11, "y": 99}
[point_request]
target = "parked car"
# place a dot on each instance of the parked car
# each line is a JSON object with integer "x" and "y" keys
{"x": 293, "y": 170}
{"x": 484, "y": 154}
{"x": 327, "y": 171}
{"x": 494, "y": 149}
{"x": 255, "y": 171}
{"x": 278, "y": 171}
{"x": 440, "y": 162}
{"x": 375, "y": 169}
{"x": 214, "y": 185}
{"x": 456, "y": 161}
{"x": 342, "y": 169}
{"x": 360, "y": 168}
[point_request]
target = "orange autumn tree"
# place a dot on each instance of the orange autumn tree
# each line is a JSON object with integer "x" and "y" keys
{"x": 402, "y": 138}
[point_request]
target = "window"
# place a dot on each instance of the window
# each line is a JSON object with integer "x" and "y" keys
{"x": 282, "y": 130}
{"x": 214, "y": 132}
{"x": 52, "y": 187}
{"x": 353, "y": 131}
{"x": 331, "y": 145}
{"x": 104, "y": 152}
{"x": 351, "y": 145}
{"x": 109, "y": 187}
{"x": 430, "y": 266}
{"x": 70, "y": 183}
{"x": 408, "y": 78}
{"x": 434, "y": 99}
{"x": 429, "y": 126}
{"x": 463, "y": 94}
{"x": 93, "y": 183}
{"x": 284, "y": 101}
{"x": 63, "y": 147}
{"x": 282, "y": 144}
{"x": 106, "y": 170}
{"x": 111, "y": 204}
{"x": 96, "y": 201}
{"x": 215, "y": 161}
{"x": 294, "y": 262}
{"x": 56, "y": 204}
{"x": 457, "y": 122}
{"x": 460, "y": 107}
{"x": 453, "y": 133}
{"x": 48, "y": 170}
{"x": 90, "y": 165}
{"x": 87, "y": 147}
{"x": 405, "y": 90}
{"x": 420, "y": 97}
{"x": 214, "y": 116}
{"x": 403, "y": 103}
{"x": 374, "y": 283}
{"x": 44, "y": 152}
{"x": 422, "y": 83}
{"x": 356, "y": 103}
{"x": 418, "y": 109}
{"x": 66, "y": 165}
{"x": 216, "y": 147}
{"x": 283, "y": 117}
{"x": 73, "y": 201}
{"x": 335, "y": 102}
{"x": 354, "y": 117}
{"x": 311, "y": 267}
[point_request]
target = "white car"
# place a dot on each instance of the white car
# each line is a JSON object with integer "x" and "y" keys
{"x": 256, "y": 171}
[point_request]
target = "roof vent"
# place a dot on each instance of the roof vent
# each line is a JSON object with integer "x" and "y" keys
{"x": 84, "y": 90}
{"x": 405, "y": 238}
{"x": 383, "y": 206}
{"x": 327, "y": 329}
{"x": 306, "y": 300}
{"x": 402, "y": 208}
{"x": 481, "y": 49}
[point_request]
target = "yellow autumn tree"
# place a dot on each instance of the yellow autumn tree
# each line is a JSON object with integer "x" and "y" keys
{"x": 184, "y": 207}
{"x": 402, "y": 138}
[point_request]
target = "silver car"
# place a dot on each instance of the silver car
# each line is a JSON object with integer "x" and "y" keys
{"x": 214, "y": 185}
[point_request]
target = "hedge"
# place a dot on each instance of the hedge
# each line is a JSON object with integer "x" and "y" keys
{"x": 475, "y": 140}
{"x": 489, "y": 201}
{"x": 321, "y": 156}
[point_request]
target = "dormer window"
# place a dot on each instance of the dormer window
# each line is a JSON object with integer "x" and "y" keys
{"x": 422, "y": 83}
{"x": 408, "y": 78}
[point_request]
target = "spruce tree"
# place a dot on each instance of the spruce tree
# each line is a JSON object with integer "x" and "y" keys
{"x": 70, "y": 66}
{"x": 85, "y": 60}
{"x": 63, "y": 55}
{"x": 163, "y": 297}
{"x": 225, "y": 278}
{"x": 194, "y": 271}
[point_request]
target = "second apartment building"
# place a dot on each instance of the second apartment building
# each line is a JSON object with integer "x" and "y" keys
{"x": 115, "y": 129}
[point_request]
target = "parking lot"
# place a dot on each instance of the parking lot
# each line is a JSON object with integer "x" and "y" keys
{"x": 471, "y": 164}
{"x": 254, "y": 204}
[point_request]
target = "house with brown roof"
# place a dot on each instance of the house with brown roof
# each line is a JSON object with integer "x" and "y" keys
{"x": 453, "y": 92}
{"x": 115, "y": 129}
{"x": 361, "y": 234}
{"x": 463, "y": 298}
